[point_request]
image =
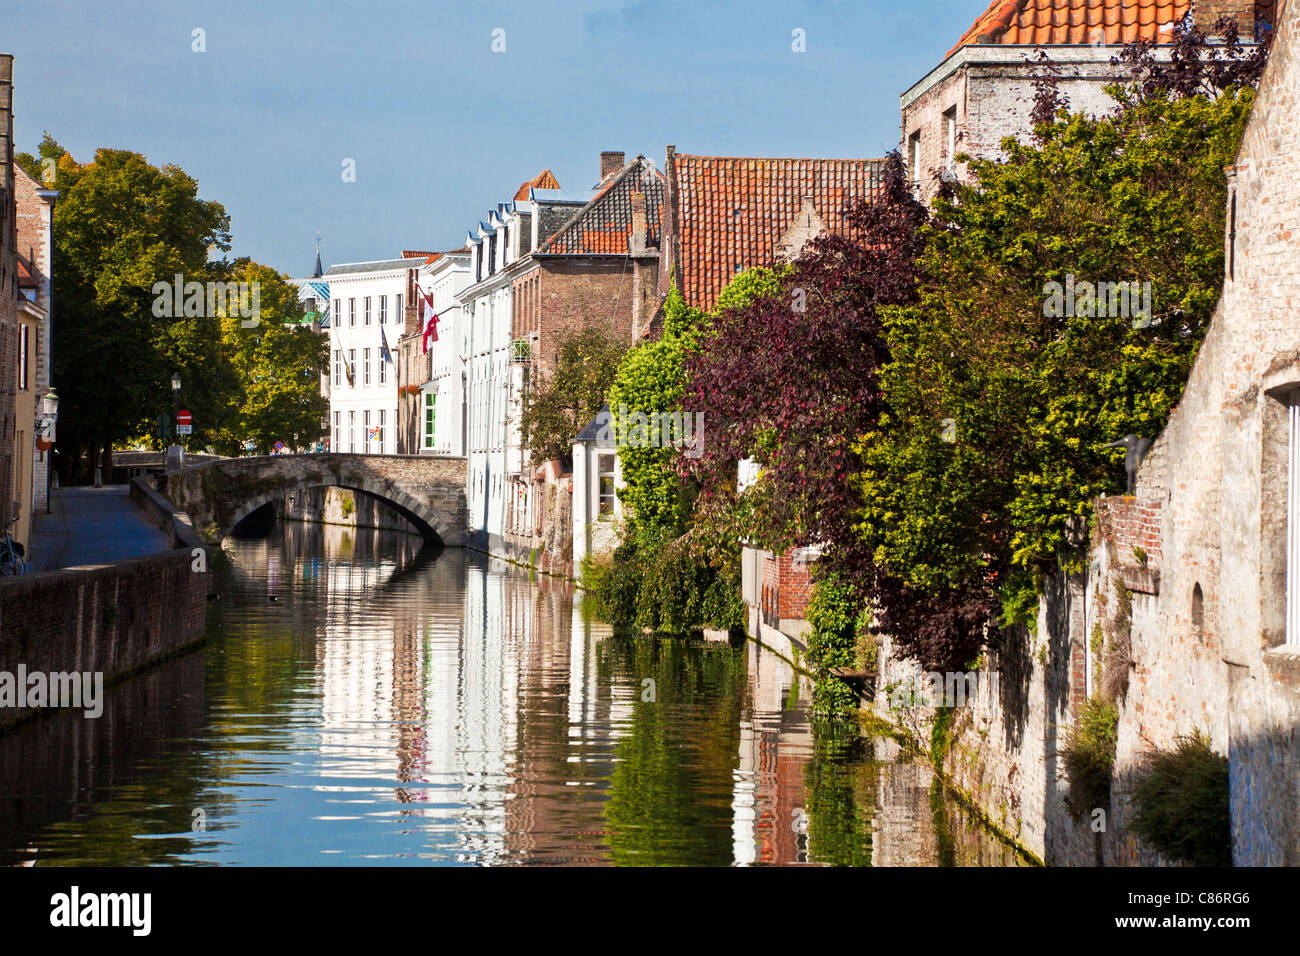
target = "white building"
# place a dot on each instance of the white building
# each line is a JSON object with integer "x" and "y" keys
{"x": 494, "y": 372}
{"x": 442, "y": 395}
{"x": 366, "y": 319}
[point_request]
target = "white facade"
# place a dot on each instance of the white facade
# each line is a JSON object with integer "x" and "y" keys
{"x": 492, "y": 386}
{"x": 442, "y": 396}
{"x": 366, "y": 309}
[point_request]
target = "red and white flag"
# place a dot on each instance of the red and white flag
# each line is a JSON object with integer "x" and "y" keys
{"x": 428, "y": 318}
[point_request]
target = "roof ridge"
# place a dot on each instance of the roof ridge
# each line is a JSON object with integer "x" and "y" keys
{"x": 787, "y": 159}
{"x": 640, "y": 161}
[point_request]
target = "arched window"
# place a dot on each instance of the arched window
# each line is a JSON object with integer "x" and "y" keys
{"x": 1198, "y": 611}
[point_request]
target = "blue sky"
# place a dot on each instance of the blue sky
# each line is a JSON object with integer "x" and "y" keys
{"x": 440, "y": 127}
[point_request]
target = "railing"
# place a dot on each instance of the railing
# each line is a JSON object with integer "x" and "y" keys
{"x": 521, "y": 352}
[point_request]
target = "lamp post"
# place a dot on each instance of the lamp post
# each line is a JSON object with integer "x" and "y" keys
{"x": 176, "y": 402}
{"x": 45, "y": 429}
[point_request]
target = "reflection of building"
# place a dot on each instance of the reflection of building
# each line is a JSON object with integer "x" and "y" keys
{"x": 768, "y": 803}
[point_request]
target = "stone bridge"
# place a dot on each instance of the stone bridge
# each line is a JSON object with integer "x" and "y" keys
{"x": 427, "y": 491}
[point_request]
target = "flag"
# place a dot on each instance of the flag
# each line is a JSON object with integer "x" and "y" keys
{"x": 347, "y": 370}
{"x": 428, "y": 318}
{"x": 373, "y": 433}
{"x": 384, "y": 354}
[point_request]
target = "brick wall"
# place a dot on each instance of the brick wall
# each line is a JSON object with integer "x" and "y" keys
{"x": 566, "y": 294}
{"x": 113, "y": 619}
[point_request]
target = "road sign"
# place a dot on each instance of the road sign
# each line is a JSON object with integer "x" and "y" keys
{"x": 184, "y": 418}
{"x": 185, "y": 429}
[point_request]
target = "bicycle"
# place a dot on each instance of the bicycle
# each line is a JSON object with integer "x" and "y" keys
{"x": 12, "y": 555}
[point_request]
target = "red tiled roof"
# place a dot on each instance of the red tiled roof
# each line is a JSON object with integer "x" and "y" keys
{"x": 416, "y": 253}
{"x": 602, "y": 227}
{"x": 731, "y": 212}
{"x": 543, "y": 180}
{"x": 1049, "y": 22}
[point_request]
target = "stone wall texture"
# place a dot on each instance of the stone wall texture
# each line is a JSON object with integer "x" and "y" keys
{"x": 1179, "y": 615}
{"x": 114, "y": 619}
{"x": 429, "y": 491}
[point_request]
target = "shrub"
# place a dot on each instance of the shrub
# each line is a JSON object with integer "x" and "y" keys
{"x": 1182, "y": 803}
{"x": 1089, "y": 757}
{"x": 835, "y": 611}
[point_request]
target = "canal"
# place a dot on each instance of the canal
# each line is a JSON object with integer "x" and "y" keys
{"x": 362, "y": 702}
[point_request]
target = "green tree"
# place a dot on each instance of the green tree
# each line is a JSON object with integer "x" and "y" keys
{"x": 587, "y": 360}
{"x": 278, "y": 363}
{"x": 981, "y": 475}
{"x": 120, "y": 226}
{"x": 651, "y": 380}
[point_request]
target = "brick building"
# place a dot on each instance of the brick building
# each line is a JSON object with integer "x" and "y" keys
{"x": 11, "y": 467}
{"x": 983, "y": 90}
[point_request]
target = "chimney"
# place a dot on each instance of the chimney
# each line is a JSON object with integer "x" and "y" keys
{"x": 610, "y": 163}
{"x": 1207, "y": 14}
{"x": 636, "y": 241}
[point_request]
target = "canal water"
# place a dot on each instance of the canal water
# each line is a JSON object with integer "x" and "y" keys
{"x": 360, "y": 701}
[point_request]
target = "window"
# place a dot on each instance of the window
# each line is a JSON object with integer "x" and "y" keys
{"x": 365, "y": 429}
{"x": 380, "y": 436}
{"x": 338, "y": 367}
{"x": 352, "y": 431}
{"x": 365, "y": 366}
{"x": 338, "y": 432}
{"x": 397, "y": 309}
{"x": 383, "y": 370}
{"x": 365, "y": 308}
{"x": 914, "y": 159}
{"x": 352, "y": 368}
{"x": 338, "y": 305}
{"x": 23, "y": 346}
{"x": 352, "y": 311}
{"x": 430, "y": 418}
{"x": 950, "y": 134}
{"x": 383, "y": 309}
{"x": 605, "y": 486}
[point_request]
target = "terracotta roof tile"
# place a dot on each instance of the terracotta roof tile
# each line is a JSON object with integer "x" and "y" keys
{"x": 602, "y": 227}
{"x": 543, "y": 180}
{"x": 732, "y": 212}
{"x": 1051, "y": 22}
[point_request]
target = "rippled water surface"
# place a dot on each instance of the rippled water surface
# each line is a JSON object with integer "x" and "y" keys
{"x": 359, "y": 702}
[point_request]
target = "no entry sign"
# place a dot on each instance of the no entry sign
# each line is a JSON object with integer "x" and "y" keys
{"x": 183, "y": 417}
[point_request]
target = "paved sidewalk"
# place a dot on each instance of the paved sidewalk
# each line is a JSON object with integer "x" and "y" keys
{"x": 91, "y": 526}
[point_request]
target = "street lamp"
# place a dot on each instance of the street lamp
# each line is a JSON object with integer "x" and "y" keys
{"x": 50, "y": 406}
{"x": 45, "y": 440}
{"x": 176, "y": 401}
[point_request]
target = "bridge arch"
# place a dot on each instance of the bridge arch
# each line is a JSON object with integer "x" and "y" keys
{"x": 429, "y": 492}
{"x": 431, "y": 525}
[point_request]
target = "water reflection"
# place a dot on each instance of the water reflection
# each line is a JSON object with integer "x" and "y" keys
{"x": 361, "y": 701}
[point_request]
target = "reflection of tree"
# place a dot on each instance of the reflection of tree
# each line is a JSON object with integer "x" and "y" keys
{"x": 664, "y": 805}
{"x": 840, "y": 796}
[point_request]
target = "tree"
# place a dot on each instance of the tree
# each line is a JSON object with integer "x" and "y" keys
{"x": 789, "y": 376}
{"x": 278, "y": 363}
{"x": 587, "y": 360}
{"x": 120, "y": 226}
{"x": 1001, "y": 392}
{"x": 650, "y": 382}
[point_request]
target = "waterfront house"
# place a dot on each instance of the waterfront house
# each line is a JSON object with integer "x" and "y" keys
{"x": 983, "y": 90}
